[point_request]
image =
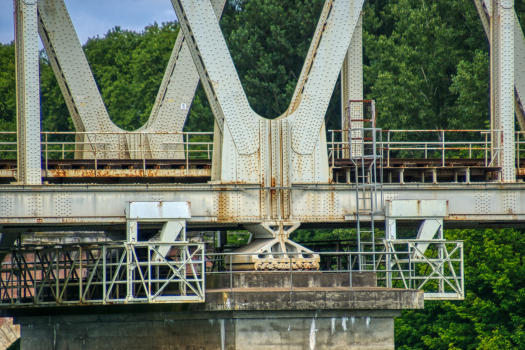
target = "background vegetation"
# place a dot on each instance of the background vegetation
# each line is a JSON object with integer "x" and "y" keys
{"x": 426, "y": 65}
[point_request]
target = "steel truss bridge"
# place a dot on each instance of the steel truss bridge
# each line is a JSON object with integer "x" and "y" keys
{"x": 269, "y": 177}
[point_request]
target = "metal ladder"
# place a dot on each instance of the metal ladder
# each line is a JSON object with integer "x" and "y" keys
{"x": 367, "y": 160}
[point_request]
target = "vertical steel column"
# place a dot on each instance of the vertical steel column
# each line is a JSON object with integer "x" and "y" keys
{"x": 519, "y": 72}
{"x": 506, "y": 90}
{"x": 519, "y": 56}
{"x": 352, "y": 82}
{"x": 502, "y": 86}
{"x": 28, "y": 93}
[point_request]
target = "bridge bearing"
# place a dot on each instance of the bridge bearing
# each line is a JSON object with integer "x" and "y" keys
{"x": 268, "y": 250}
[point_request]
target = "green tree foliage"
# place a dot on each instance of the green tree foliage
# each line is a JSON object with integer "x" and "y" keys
{"x": 493, "y": 313}
{"x": 128, "y": 68}
{"x": 413, "y": 48}
{"x": 53, "y": 106}
{"x": 471, "y": 85}
{"x": 7, "y": 88}
{"x": 268, "y": 41}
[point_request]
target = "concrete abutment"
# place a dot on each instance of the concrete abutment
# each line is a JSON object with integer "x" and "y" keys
{"x": 251, "y": 310}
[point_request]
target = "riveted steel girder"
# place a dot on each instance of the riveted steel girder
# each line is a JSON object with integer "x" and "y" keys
{"x": 85, "y": 103}
{"x": 505, "y": 37}
{"x": 213, "y": 206}
{"x": 27, "y": 92}
{"x": 352, "y": 87}
{"x": 484, "y": 10}
{"x": 295, "y": 140}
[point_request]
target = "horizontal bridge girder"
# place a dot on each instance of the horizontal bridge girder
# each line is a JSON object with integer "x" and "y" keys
{"x": 469, "y": 205}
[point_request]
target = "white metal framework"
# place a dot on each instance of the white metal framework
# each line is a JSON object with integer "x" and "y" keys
{"x": 118, "y": 273}
{"x": 101, "y": 274}
{"x": 27, "y": 92}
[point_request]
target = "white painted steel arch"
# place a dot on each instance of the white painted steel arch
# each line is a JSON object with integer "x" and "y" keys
{"x": 291, "y": 148}
{"x": 85, "y": 103}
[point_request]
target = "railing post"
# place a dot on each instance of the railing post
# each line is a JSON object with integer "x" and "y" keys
{"x": 388, "y": 149}
{"x": 80, "y": 275}
{"x": 187, "y": 153}
{"x": 486, "y": 148}
{"x": 231, "y": 273}
{"x": 96, "y": 157}
{"x": 443, "y": 147}
{"x": 143, "y": 157}
{"x": 389, "y": 267}
{"x": 104, "y": 277}
{"x": 47, "y": 154}
{"x": 350, "y": 270}
{"x": 409, "y": 246}
{"x": 291, "y": 274}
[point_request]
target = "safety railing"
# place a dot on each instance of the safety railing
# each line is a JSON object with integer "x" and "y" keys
{"x": 116, "y": 145}
{"x": 199, "y": 145}
{"x": 120, "y": 272}
{"x": 101, "y": 274}
{"x": 434, "y": 266}
{"x": 447, "y": 144}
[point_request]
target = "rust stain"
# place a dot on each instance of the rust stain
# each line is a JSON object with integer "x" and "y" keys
{"x": 64, "y": 173}
{"x": 458, "y": 217}
{"x": 273, "y": 184}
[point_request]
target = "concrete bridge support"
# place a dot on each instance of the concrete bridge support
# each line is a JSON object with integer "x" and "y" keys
{"x": 251, "y": 310}
{"x": 366, "y": 329}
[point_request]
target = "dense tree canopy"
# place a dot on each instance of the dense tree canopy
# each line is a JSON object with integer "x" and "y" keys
{"x": 493, "y": 313}
{"x": 414, "y": 49}
{"x": 426, "y": 65}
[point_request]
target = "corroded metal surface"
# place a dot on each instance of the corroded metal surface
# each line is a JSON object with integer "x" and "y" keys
{"x": 239, "y": 204}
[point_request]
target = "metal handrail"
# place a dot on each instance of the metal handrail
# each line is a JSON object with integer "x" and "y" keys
{"x": 93, "y": 148}
{"x": 442, "y": 145}
{"x": 79, "y": 271}
{"x": 398, "y": 264}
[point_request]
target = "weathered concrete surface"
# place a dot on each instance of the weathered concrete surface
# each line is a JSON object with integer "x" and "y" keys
{"x": 274, "y": 279}
{"x": 359, "y": 298}
{"x": 310, "y": 291}
{"x": 371, "y": 330}
{"x": 262, "y": 311}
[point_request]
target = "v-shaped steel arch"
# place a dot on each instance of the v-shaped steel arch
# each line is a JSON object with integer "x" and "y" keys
{"x": 85, "y": 103}
{"x": 294, "y": 145}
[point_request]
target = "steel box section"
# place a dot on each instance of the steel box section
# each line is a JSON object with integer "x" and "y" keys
{"x": 27, "y": 92}
{"x": 416, "y": 208}
{"x": 240, "y": 204}
{"x": 158, "y": 210}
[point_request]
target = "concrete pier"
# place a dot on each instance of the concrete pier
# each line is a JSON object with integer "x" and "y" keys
{"x": 247, "y": 311}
